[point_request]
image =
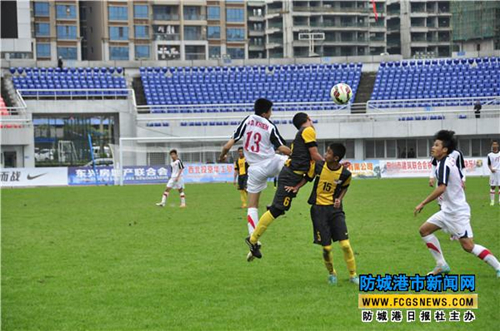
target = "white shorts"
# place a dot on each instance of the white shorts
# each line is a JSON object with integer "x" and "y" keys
{"x": 457, "y": 225}
{"x": 175, "y": 185}
{"x": 259, "y": 173}
{"x": 495, "y": 178}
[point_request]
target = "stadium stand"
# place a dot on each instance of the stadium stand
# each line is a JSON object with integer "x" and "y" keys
{"x": 244, "y": 84}
{"x": 412, "y": 80}
{"x": 96, "y": 81}
{"x": 4, "y": 112}
{"x": 213, "y": 123}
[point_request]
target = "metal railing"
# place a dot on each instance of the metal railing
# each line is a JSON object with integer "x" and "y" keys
{"x": 335, "y": 116}
{"x": 165, "y": 17}
{"x": 431, "y": 103}
{"x": 75, "y": 94}
{"x": 165, "y": 36}
{"x": 237, "y": 108}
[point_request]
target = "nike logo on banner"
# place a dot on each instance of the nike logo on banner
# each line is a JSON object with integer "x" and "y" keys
{"x": 35, "y": 177}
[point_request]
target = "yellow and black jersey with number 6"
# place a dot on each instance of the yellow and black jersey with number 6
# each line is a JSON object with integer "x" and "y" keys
{"x": 241, "y": 166}
{"x": 327, "y": 183}
{"x": 300, "y": 160}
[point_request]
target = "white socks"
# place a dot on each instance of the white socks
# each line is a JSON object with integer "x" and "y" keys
{"x": 252, "y": 219}
{"x": 484, "y": 254}
{"x": 432, "y": 243}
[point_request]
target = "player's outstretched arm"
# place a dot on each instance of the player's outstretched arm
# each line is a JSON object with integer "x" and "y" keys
{"x": 433, "y": 196}
{"x": 284, "y": 150}
{"x": 315, "y": 155}
{"x": 297, "y": 187}
{"x": 225, "y": 149}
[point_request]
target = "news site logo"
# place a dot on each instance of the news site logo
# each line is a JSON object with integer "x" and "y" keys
{"x": 391, "y": 304}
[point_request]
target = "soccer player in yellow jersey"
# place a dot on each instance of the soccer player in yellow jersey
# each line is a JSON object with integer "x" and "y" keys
{"x": 304, "y": 151}
{"x": 241, "y": 172}
{"x": 331, "y": 180}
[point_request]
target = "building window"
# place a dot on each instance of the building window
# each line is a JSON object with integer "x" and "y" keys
{"x": 141, "y": 31}
{"x": 192, "y": 13}
{"x": 141, "y": 11}
{"x": 142, "y": 52}
{"x": 42, "y": 50}
{"x": 192, "y": 33}
{"x": 67, "y": 53}
{"x": 235, "y": 34}
{"x": 214, "y": 52}
{"x": 66, "y": 11}
{"x": 41, "y": 9}
{"x": 117, "y": 13}
{"x": 235, "y": 15}
{"x": 236, "y": 53}
{"x": 214, "y": 32}
{"x": 213, "y": 13}
{"x": 118, "y": 33}
{"x": 118, "y": 53}
{"x": 42, "y": 29}
{"x": 165, "y": 13}
{"x": 66, "y": 32}
{"x": 193, "y": 52}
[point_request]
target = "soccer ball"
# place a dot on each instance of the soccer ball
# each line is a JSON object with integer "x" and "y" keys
{"x": 341, "y": 93}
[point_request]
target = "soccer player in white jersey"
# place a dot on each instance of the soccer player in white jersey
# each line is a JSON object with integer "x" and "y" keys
{"x": 459, "y": 161}
{"x": 176, "y": 181}
{"x": 261, "y": 140}
{"x": 494, "y": 165}
{"x": 454, "y": 216}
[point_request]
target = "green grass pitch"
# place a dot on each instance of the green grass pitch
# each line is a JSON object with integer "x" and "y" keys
{"x": 106, "y": 258}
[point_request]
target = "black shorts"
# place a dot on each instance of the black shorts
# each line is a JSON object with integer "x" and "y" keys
{"x": 328, "y": 225}
{"x": 242, "y": 182}
{"x": 282, "y": 198}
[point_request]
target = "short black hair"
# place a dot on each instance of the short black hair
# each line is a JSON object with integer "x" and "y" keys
{"x": 448, "y": 139}
{"x": 240, "y": 149}
{"x": 173, "y": 151}
{"x": 262, "y": 106}
{"x": 299, "y": 119}
{"x": 338, "y": 150}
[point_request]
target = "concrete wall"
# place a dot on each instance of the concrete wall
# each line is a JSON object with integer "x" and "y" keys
{"x": 24, "y": 42}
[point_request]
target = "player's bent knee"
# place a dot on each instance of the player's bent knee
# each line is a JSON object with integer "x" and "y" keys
{"x": 468, "y": 247}
{"x": 345, "y": 244}
{"x": 423, "y": 231}
{"x": 276, "y": 212}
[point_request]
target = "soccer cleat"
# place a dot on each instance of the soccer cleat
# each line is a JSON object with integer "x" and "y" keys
{"x": 160, "y": 204}
{"x": 332, "y": 280}
{"x": 183, "y": 205}
{"x": 254, "y": 249}
{"x": 443, "y": 269}
{"x": 250, "y": 257}
{"x": 498, "y": 273}
{"x": 492, "y": 203}
{"x": 354, "y": 280}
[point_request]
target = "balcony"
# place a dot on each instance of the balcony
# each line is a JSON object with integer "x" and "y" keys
{"x": 166, "y": 37}
{"x": 340, "y": 10}
{"x": 274, "y": 27}
{"x": 256, "y": 33}
{"x": 274, "y": 42}
{"x": 256, "y": 47}
{"x": 195, "y": 56}
{"x": 165, "y": 17}
{"x": 194, "y": 17}
{"x": 199, "y": 36}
